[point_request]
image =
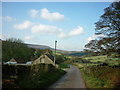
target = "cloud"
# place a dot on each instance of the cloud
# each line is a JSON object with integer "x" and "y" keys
{"x": 75, "y": 32}
{"x": 3, "y": 37}
{"x": 48, "y": 29}
{"x": 34, "y": 13}
{"x": 29, "y": 37}
{"x": 95, "y": 36}
{"x": 51, "y": 16}
{"x": 24, "y": 25}
{"x": 46, "y": 14}
{"x": 8, "y": 18}
{"x": 62, "y": 35}
{"x": 45, "y": 29}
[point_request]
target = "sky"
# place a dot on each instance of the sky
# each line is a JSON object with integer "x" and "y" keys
{"x": 70, "y": 23}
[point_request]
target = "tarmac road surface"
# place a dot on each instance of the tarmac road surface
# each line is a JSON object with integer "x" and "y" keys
{"x": 72, "y": 79}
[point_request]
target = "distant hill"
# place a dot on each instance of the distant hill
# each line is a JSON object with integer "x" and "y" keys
{"x": 78, "y": 54}
{"x": 38, "y": 46}
{"x": 70, "y": 53}
{"x": 35, "y": 46}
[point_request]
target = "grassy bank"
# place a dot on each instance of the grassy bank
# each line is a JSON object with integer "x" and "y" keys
{"x": 101, "y": 76}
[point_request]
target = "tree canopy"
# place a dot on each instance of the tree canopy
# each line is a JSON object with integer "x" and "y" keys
{"x": 109, "y": 26}
{"x": 15, "y": 48}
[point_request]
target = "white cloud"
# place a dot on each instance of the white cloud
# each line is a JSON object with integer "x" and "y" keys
{"x": 46, "y": 14}
{"x": 48, "y": 29}
{"x": 8, "y": 18}
{"x": 45, "y": 29}
{"x": 24, "y": 25}
{"x": 75, "y": 32}
{"x": 51, "y": 16}
{"x": 95, "y": 36}
{"x": 62, "y": 35}
{"x": 3, "y": 37}
{"x": 29, "y": 37}
{"x": 0, "y": 36}
{"x": 34, "y": 13}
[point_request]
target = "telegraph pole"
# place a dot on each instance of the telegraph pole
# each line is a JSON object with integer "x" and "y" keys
{"x": 55, "y": 51}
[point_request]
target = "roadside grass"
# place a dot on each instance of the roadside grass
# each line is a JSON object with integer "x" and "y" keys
{"x": 92, "y": 82}
{"x": 96, "y": 76}
{"x": 100, "y": 77}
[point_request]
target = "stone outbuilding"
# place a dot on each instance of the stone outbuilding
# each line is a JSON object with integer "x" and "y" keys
{"x": 12, "y": 61}
{"x": 45, "y": 59}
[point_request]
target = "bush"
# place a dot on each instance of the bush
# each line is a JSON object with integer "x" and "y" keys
{"x": 60, "y": 59}
{"x": 64, "y": 66}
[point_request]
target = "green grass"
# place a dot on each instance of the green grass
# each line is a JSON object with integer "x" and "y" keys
{"x": 58, "y": 52}
{"x": 100, "y": 76}
{"x": 93, "y": 82}
{"x": 96, "y": 58}
{"x": 103, "y": 59}
{"x": 64, "y": 66}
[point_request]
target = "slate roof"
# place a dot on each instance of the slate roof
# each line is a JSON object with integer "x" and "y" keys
{"x": 12, "y": 60}
{"x": 50, "y": 56}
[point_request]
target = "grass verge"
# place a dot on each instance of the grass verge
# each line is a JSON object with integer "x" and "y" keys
{"x": 101, "y": 77}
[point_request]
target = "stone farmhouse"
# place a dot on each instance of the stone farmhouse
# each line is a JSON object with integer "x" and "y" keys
{"x": 44, "y": 59}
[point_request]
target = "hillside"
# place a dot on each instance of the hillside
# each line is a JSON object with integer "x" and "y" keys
{"x": 78, "y": 54}
{"x": 38, "y": 46}
{"x": 70, "y": 53}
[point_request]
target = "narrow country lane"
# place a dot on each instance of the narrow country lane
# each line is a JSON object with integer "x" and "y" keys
{"x": 72, "y": 79}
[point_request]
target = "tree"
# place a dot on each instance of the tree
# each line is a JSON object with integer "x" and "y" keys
{"x": 60, "y": 58}
{"x": 93, "y": 47}
{"x": 109, "y": 25}
{"x": 15, "y": 48}
{"x": 39, "y": 52}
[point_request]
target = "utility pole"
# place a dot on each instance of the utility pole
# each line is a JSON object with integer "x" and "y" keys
{"x": 55, "y": 51}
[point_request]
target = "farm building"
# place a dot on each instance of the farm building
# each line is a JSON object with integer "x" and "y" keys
{"x": 12, "y": 61}
{"x": 45, "y": 59}
{"x": 29, "y": 63}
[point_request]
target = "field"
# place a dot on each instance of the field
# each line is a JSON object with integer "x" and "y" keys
{"x": 103, "y": 59}
{"x": 102, "y": 72}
